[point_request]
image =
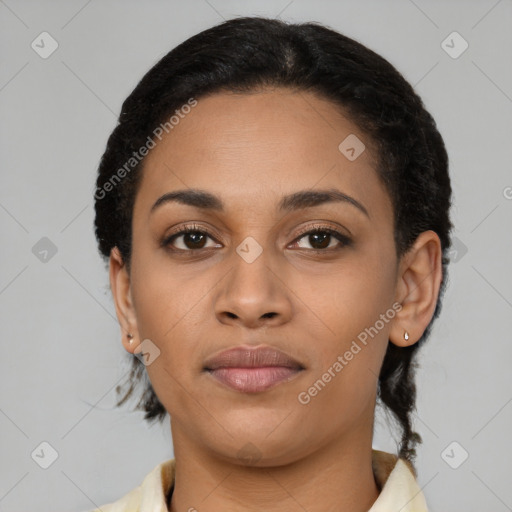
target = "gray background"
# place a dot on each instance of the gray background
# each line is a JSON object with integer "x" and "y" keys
{"x": 61, "y": 351}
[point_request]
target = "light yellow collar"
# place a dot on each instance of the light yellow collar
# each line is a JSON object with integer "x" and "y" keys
{"x": 399, "y": 491}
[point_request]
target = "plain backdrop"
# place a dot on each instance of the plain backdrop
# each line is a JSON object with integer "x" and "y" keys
{"x": 61, "y": 350}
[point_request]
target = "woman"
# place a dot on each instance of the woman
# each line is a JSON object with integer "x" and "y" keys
{"x": 274, "y": 208}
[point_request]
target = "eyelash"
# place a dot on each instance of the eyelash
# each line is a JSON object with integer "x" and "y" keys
{"x": 310, "y": 230}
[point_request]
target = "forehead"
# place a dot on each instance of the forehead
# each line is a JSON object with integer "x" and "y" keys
{"x": 262, "y": 146}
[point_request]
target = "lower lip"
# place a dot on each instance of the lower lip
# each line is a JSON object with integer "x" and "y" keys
{"x": 254, "y": 380}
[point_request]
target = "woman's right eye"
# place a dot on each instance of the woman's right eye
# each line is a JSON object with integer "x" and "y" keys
{"x": 191, "y": 239}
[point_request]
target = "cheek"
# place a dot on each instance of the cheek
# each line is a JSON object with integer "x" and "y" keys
{"x": 352, "y": 318}
{"x": 162, "y": 295}
{"x": 167, "y": 310}
{"x": 170, "y": 311}
{"x": 349, "y": 299}
{"x": 350, "y": 341}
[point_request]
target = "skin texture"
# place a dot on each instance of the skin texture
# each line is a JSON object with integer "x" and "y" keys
{"x": 250, "y": 150}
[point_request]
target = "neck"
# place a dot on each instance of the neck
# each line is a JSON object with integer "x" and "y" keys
{"x": 338, "y": 476}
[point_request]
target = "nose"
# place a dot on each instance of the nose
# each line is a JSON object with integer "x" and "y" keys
{"x": 253, "y": 294}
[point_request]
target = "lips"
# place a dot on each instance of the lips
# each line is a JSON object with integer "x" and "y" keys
{"x": 252, "y": 370}
{"x": 250, "y": 357}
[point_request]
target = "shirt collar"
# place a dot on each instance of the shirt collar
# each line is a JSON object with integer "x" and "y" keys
{"x": 399, "y": 491}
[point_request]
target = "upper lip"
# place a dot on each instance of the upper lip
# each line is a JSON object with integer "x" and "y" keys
{"x": 251, "y": 357}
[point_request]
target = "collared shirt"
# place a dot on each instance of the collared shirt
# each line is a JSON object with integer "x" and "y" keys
{"x": 399, "y": 491}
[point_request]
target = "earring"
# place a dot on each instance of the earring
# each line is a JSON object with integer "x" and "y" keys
{"x": 130, "y": 336}
{"x": 406, "y": 335}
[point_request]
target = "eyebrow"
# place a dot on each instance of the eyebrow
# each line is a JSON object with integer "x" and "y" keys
{"x": 296, "y": 201}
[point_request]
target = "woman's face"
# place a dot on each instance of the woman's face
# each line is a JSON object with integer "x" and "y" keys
{"x": 255, "y": 279}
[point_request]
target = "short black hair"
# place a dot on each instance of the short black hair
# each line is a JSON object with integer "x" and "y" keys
{"x": 243, "y": 55}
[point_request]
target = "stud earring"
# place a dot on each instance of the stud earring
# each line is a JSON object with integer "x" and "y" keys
{"x": 406, "y": 335}
{"x": 130, "y": 336}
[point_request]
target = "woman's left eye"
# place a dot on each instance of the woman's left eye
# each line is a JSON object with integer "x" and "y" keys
{"x": 321, "y": 237}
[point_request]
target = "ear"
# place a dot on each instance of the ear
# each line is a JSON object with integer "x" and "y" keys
{"x": 418, "y": 282}
{"x": 121, "y": 292}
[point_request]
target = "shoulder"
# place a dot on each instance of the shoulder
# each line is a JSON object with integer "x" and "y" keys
{"x": 397, "y": 484}
{"x": 149, "y": 495}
